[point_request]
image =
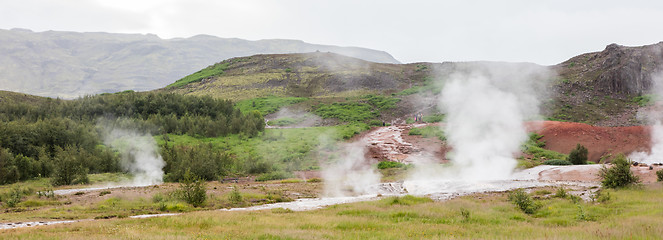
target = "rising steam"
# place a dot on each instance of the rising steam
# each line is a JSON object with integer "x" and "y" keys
{"x": 654, "y": 116}
{"x": 486, "y": 106}
{"x": 349, "y": 174}
{"x": 138, "y": 151}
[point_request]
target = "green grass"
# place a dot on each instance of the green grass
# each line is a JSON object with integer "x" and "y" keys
{"x": 360, "y": 109}
{"x": 630, "y": 214}
{"x": 535, "y": 147}
{"x": 428, "y": 131}
{"x": 287, "y": 149}
{"x": 429, "y": 85}
{"x": 214, "y": 70}
{"x": 389, "y": 164}
{"x": 433, "y": 118}
{"x": 267, "y": 105}
{"x": 285, "y": 121}
{"x": 644, "y": 100}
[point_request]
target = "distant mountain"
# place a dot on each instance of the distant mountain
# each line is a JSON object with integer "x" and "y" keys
{"x": 70, "y": 64}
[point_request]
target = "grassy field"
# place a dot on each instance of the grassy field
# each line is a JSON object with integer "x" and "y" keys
{"x": 287, "y": 149}
{"x": 629, "y": 213}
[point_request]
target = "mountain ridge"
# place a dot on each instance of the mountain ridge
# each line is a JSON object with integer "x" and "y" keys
{"x": 71, "y": 64}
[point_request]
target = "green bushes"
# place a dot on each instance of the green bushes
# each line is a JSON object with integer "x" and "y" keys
{"x": 558, "y": 162}
{"x": 389, "y": 164}
{"x": 578, "y": 155}
{"x": 192, "y": 189}
{"x": 201, "y": 160}
{"x": 523, "y": 201}
{"x": 659, "y": 175}
{"x": 619, "y": 175}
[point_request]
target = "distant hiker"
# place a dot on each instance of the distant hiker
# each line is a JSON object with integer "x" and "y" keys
{"x": 384, "y": 124}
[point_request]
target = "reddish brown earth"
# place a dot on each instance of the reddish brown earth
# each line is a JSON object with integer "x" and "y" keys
{"x": 599, "y": 141}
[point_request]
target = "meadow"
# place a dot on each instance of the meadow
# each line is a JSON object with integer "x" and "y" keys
{"x": 632, "y": 213}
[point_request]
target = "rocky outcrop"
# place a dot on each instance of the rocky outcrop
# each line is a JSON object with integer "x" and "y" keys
{"x": 617, "y": 69}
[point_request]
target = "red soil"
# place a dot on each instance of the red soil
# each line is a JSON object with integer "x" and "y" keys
{"x": 599, "y": 141}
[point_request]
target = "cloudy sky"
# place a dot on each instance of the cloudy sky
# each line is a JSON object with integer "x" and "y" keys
{"x": 544, "y": 32}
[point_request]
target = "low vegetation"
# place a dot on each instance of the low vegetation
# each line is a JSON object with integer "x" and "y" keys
{"x": 211, "y": 71}
{"x": 267, "y": 105}
{"x": 619, "y": 175}
{"x": 535, "y": 146}
{"x": 578, "y": 156}
{"x": 361, "y": 109}
{"x": 428, "y": 131}
{"x": 630, "y": 213}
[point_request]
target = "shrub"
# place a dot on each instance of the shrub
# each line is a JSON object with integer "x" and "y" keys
{"x": 578, "y": 156}
{"x": 659, "y": 175}
{"x": 15, "y": 197}
{"x": 561, "y": 193}
{"x": 389, "y": 164}
{"x": 235, "y": 196}
{"x": 192, "y": 189}
{"x": 619, "y": 175}
{"x": 521, "y": 199}
{"x": 558, "y": 162}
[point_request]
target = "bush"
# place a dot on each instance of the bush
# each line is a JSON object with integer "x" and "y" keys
{"x": 561, "y": 193}
{"x": 235, "y": 196}
{"x": 659, "y": 175}
{"x": 558, "y": 162}
{"x": 523, "y": 201}
{"x": 192, "y": 189}
{"x": 15, "y": 197}
{"x": 578, "y": 156}
{"x": 389, "y": 164}
{"x": 619, "y": 175}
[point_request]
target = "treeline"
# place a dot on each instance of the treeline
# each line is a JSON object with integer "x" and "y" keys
{"x": 60, "y": 138}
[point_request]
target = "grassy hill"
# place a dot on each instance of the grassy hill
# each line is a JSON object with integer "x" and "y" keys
{"x": 602, "y": 88}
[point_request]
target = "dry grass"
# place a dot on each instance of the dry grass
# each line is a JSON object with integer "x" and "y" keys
{"x": 632, "y": 213}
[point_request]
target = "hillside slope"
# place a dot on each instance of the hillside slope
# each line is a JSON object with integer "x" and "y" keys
{"x": 70, "y": 64}
{"x": 602, "y": 88}
{"x": 300, "y": 75}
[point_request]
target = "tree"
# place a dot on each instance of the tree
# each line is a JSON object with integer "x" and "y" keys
{"x": 619, "y": 175}
{"x": 193, "y": 190}
{"x": 578, "y": 156}
{"x": 68, "y": 168}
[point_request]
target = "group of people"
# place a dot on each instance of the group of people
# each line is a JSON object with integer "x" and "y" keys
{"x": 418, "y": 117}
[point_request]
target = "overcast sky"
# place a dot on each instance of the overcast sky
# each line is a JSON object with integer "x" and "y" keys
{"x": 543, "y": 32}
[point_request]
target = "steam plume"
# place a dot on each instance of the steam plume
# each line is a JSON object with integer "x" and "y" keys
{"x": 138, "y": 151}
{"x": 351, "y": 174}
{"x": 486, "y": 105}
{"x": 653, "y": 115}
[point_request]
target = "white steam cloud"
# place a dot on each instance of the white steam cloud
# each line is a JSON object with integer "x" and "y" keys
{"x": 486, "y": 106}
{"x": 351, "y": 174}
{"x": 653, "y": 115}
{"x": 139, "y": 152}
